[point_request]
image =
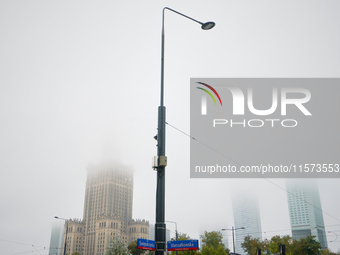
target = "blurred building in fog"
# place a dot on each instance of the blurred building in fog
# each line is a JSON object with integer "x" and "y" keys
{"x": 107, "y": 212}
{"x": 305, "y": 210}
{"x": 56, "y": 239}
{"x": 246, "y": 215}
{"x": 225, "y": 240}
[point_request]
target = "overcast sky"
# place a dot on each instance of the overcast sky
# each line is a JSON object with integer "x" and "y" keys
{"x": 80, "y": 82}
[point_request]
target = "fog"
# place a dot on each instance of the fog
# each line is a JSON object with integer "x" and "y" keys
{"x": 79, "y": 85}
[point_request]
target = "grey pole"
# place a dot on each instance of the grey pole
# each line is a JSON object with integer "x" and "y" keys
{"x": 282, "y": 249}
{"x": 176, "y": 239}
{"x": 160, "y": 227}
{"x": 176, "y": 231}
{"x": 233, "y": 232}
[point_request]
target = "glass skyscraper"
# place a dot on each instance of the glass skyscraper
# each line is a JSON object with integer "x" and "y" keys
{"x": 56, "y": 239}
{"x": 305, "y": 210}
{"x": 246, "y": 215}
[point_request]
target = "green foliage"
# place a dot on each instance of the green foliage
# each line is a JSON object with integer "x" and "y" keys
{"x": 212, "y": 239}
{"x": 189, "y": 252}
{"x": 117, "y": 247}
{"x": 276, "y": 241}
{"x": 133, "y": 248}
{"x": 250, "y": 245}
{"x": 327, "y": 252}
{"x": 183, "y": 236}
{"x": 210, "y": 250}
{"x": 305, "y": 246}
{"x": 212, "y": 244}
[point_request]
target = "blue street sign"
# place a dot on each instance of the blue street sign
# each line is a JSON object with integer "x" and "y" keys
{"x": 145, "y": 244}
{"x": 183, "y": 245}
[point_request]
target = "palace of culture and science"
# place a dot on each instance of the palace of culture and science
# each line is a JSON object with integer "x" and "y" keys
{"x": 107, "y": 212}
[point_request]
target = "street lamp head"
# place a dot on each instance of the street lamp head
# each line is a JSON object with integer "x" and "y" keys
{"x": 208, "y": 25}
{"x": 56, "y": 217}
{"x": 243, "y": 228}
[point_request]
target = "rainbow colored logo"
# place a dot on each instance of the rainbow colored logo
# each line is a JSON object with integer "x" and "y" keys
{"x": 212, "y": 89}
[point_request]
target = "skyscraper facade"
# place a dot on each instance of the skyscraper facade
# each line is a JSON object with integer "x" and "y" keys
{"x": 246, "y": 215}
{"x": 108, "y": 195}
{"x": 305, "y": 210}
{"x": 107, "y": 212}
{"x": 225, "y": 240}
{"x": 56, "y": 239}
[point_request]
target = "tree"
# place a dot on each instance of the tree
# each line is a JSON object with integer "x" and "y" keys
{"x": 250, "y": 245}
{"x": 212, "y": 244}
{"x": 306, "y": 246}
{"x": 133, "y": 248}
{"x": 183, "y": 236}
{"x": 212, "y": 239}
{"x": 276, "y": 241}
{"x": 327, "y": 252}
{"x": 210, "y": 250}
{"x": 117, "y": 247}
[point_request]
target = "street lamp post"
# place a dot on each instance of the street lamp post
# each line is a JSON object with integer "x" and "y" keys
{"x": 336, "y": 236}
{"x": 176, "y": 231}
{"x": 233, "y": 233}
{"x": 161, "y": 158}
{"x": 66, "y": 221}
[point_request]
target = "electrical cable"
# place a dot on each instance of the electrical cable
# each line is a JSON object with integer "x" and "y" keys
{"x": 254, "y": 173}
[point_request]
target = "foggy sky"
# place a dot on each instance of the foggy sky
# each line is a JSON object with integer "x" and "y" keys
{"x": 79, "y": 85}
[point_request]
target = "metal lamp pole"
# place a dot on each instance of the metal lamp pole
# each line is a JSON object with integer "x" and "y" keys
{"x": 65, "y": 233}
{"x": 233, "y": 233}
{"x": 161, "y": 159}
{"x": 336, "y": 236}
{"x": 176, "y": 231}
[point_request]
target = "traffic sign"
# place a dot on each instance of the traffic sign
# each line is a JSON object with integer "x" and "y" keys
{"x": 183, "y": 245}
{"x": 145, "y": 244}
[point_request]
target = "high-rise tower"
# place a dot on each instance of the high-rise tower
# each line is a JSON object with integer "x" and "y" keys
{"x": 56, "y": 239}
{"x": 246, "y": 215}
{"x": 108, "y": 195}
{"x": 107, "y": 212}
{"x": 305, "y": 210}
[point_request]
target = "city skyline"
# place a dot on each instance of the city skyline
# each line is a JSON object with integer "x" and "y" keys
{"x": 245, "y": 210}
{"x": 80, "y": 85}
